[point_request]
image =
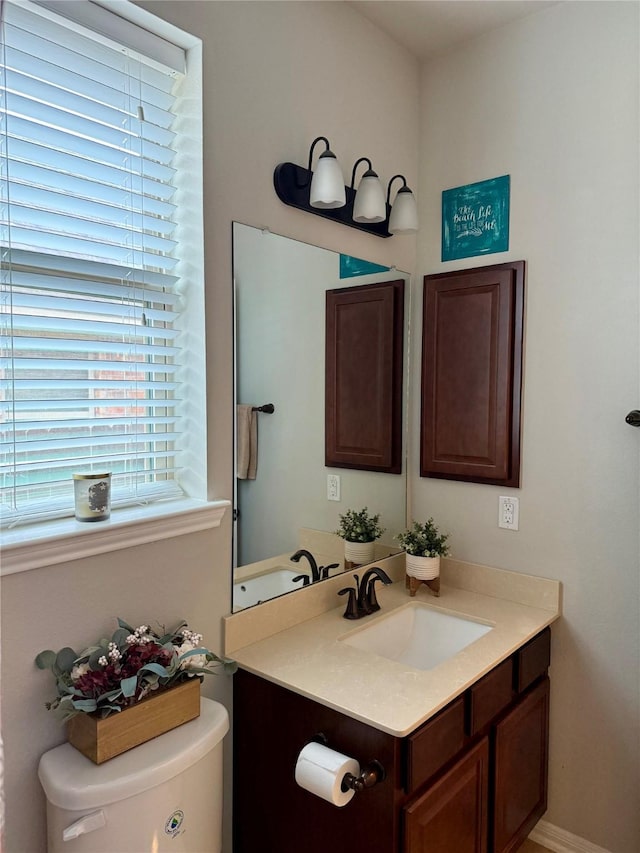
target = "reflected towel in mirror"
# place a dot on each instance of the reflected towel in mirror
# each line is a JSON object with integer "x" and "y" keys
{"x": 246, "y": 443}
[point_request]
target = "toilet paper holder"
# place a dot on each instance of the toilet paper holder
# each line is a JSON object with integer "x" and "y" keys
{"x": 370, "y": 774}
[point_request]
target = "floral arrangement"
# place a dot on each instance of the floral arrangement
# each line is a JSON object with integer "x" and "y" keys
{"x": 424, "y": 540}
{"x": 113, "y": 674}
{"x": 359, "y": 526}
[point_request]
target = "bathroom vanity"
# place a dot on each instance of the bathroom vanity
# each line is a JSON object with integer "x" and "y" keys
{"x": 463, "y": 745}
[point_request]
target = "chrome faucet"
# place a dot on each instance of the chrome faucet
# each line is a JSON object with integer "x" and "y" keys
{"x": 315, "y": 572}
{"x": 362, "y": 599}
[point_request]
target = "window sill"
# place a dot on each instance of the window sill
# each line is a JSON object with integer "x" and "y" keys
{"x": 51, "y": 542}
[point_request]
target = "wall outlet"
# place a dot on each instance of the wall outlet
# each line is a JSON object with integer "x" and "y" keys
{"x": 508, "y": 512}
{"x": 333, "y": 487}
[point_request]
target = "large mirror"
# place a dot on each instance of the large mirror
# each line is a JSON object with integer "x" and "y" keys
{"x": 282, "y": 485}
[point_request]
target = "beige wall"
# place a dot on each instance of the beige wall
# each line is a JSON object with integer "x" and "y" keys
{"x": 276, "y": 76}
{"x": 553, "y": 101}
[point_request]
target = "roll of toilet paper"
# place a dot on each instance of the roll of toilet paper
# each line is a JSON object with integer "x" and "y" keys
{"x": 321, "y": 771}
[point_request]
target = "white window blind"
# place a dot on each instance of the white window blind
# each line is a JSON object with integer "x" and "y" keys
{"x": 90, "y": 355}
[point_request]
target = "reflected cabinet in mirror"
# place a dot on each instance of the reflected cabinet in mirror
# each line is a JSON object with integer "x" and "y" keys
{"x": 289, "y": 498}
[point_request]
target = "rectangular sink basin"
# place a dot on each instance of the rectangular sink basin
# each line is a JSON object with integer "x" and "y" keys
{"x": 417, "y": 635}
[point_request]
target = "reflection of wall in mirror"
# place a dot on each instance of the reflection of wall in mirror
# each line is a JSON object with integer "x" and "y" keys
{"x": 280, "y": 304}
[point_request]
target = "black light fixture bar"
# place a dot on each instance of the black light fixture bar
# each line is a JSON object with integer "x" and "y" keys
{"x": 292, "y": 185}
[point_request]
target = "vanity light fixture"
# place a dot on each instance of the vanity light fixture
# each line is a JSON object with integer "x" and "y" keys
{"x": 403, "y": 217}
{"x": 327, "y": 184}
{"x": 323, "y": 192}
{"x": 369, "y": 205}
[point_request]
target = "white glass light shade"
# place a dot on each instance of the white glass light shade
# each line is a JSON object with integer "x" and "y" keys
{"x": 404, "y": 213}
{"x": 370, "y": 205}
{"x": 327, "y": 184}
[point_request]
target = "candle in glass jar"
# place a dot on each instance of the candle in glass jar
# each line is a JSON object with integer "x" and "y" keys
{"x": 92, "y": 494}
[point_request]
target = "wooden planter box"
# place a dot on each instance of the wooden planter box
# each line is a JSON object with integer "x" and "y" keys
{"x": 101, "y": 740}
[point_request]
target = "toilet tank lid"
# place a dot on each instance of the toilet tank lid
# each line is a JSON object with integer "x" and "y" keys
{"x": 71, "y": 781}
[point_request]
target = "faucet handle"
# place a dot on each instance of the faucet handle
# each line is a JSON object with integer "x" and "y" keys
{"x": 324, "y": 570}
{"x": 303, "y": 578}
{"x": 351, "y": 611}
{"x": 369, "y": 593}
{"x": 372, "y": 599}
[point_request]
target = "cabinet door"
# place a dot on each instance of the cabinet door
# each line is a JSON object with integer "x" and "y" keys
{"x": 451, "y": 816}
{"x": 363, "y": 400}
{"x": 471, "y": 374}
{"x": 521, "y": 757}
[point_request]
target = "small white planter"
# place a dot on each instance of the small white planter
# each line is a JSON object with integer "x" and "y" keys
{"x": 423, "y": 568}
{"x": 359, "y": 552}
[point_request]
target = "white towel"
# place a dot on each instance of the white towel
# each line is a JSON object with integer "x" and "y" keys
{"x": 246, "y": 443}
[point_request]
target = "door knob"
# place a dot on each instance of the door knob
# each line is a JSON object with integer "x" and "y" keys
{"x": 633, "y": 418}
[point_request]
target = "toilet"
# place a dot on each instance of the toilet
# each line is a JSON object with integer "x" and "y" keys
{"x": 164, "y": 795}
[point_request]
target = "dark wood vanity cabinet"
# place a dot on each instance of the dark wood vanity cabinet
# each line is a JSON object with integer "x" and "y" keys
{"x": 473, "y": 779}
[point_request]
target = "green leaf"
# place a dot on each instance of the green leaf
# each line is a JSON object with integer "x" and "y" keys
{"x": 124, "y": 625}
{"x": 86, "y": 705}
{"x": 193, "y": 652}
{"x": 128, "y": 686}
{"x": 170, "y": 635}
{"x": 65, "y": 659}
{"x": 64, "y": 711}
{"x": 157, "y": 668}
{"x": 46, "y": 659}
{"x": 111, "y": 694}
{"x": 86, "y": 654}
{"x": 120, "y": 638}
{"x": 181, "y": 624}
{"x": 94, "y": 657}
{"x": 230, "y": 666}
{"x": 105, "y": 710}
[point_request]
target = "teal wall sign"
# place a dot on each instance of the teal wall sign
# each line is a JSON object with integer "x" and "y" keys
{"x": 475, "y": 219}
{"x": 351, "y": 267}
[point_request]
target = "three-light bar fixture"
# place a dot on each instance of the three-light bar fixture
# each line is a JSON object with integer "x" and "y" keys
{"x": 324, "y": 193}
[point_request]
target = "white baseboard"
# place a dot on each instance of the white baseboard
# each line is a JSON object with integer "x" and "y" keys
{"x": 560, "y": 841}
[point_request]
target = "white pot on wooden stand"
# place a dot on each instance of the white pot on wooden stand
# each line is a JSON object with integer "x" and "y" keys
{"x": 423, "y": 570}
{"x": 358, "y": 553}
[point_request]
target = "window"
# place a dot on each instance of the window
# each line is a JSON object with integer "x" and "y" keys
{"x": 93, "y": 304}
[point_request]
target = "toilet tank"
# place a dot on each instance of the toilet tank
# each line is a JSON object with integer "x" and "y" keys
{"x": 164, "y": 795}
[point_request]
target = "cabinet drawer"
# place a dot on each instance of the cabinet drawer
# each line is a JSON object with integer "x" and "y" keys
{"x": 489, "y": 696}
{"x": 533, "y": 660}
{"x": 434, "y": 744}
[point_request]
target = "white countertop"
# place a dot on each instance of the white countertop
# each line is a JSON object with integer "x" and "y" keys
{"x": 310, "y": 658}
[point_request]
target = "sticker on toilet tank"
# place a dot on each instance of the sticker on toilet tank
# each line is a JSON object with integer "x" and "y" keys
{"x": 174, "y": 823}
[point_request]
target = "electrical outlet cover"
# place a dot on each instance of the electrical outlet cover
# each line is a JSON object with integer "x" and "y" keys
{"x": 333, "y": 487}
{"x": 508, "y": 512}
